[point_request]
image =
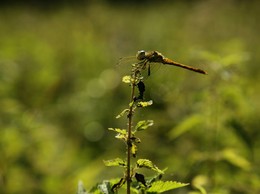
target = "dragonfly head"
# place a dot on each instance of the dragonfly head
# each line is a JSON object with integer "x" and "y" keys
{"x": 140, "y": 55}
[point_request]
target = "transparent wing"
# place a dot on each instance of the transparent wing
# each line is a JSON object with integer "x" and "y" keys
{"x": 126, "y": 61}
{"x": 124, "y": 65}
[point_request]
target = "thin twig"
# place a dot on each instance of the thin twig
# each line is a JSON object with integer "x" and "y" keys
{"x": 129, "y": 143}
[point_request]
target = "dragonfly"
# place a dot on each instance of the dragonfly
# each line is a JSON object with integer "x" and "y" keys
{"x": 145, "y": 58}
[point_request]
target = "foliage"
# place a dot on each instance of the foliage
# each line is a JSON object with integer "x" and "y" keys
{"x": 160, "y": 186}
{"x": 141, "y": 185}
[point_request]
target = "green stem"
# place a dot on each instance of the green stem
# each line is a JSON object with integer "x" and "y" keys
{"x": 129, "y": 144}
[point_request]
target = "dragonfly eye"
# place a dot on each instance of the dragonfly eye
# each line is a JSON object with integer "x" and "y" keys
{"x": 140, "y": 55}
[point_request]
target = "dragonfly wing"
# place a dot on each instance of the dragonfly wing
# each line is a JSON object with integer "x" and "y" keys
{"x": 153, "y": 68}
{"x": 123, "y": 65}
{"x": 127, "y": 61}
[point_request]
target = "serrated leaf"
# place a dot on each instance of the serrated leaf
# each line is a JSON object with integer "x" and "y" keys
{"x": 122, "y": 113}
{"x": 115, "y": 162}
{"x": 161, "y": 186}
{"x": 126, "y": 79}
{"x": 145, "y": 104}
{"x": 142, "y": 125}
{"x": 144, "y": 163}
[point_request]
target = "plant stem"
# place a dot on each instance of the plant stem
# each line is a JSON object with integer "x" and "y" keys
{"x": 129, "y": 144}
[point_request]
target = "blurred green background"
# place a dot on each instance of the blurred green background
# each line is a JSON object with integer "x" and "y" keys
{"x": 60, "y": 90}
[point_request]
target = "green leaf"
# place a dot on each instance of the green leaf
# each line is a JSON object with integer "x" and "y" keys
{"x": 144, "y": 104}
{"x": 122, "y": 134}
{"x": 201, "y": 189}
{"x": 126, "y": 79}
{"x": 122, "y": 113}
{"x": 115, "y": 162}
{"x": 198, "y": 183}
{"x": 232, "y": 157}
{"x": 121, "y": 137}
{"x": 118, "y": 130}
{"x": 161, "y": 186}
{"x": 142, "y": 125}
{"x": 144, "y": 163}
